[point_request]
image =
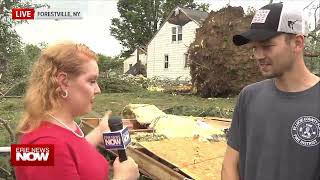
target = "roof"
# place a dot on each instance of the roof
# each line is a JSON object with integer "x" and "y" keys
{"x": 181, "y": 16}
{"x": 196, "y": 15}
{"x": 137, "y": 69}
{"x": 190, "y": 15}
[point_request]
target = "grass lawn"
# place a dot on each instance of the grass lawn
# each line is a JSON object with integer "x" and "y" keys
{"x": 10, "y": 109}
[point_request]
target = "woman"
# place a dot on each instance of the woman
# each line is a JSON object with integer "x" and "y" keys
{"x": 63, "y": 86}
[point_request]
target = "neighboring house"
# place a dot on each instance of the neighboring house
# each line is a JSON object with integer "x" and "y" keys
{"x": 167, "y": 51}
{"x": 132, "y": 60}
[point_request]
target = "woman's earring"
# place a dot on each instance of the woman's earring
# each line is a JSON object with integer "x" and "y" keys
{"x": 64, "y": 94}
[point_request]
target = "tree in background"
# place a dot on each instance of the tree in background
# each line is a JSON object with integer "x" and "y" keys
{"x": 20, "y": 67}
{"x": 312, "y": 52}
{"x": 312, "y": 47}
{"x": 13, "y": 83}
{"x": 10, "y": 42}
{"x": 109, "y": 65}
{"x": 15, "y": 57}
{"x": 140, "y": 20}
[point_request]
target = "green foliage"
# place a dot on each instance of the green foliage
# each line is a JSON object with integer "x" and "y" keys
{"x": 140, "y": 20}
{"x": 103, "y": 61}
{"x": 313, "y": 64}
{"x": 16, "y": 59}
{"x": 195, "y": 110}
{"x": 18, "y": 70}
{"x": 116, "y": 85}
{"x": 10, "y": 42}
{"x": 109, "y": 65}
{"x": 32, "y": 52}
{"x": 313, "y": 47}
{"x": 19, "y": 67}
{"x": 18, "y": 89}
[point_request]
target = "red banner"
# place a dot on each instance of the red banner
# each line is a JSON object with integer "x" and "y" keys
{"x": 32, "y": 154}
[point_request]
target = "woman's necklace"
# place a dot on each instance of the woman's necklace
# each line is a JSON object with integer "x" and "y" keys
{"x": 59, "y": 121}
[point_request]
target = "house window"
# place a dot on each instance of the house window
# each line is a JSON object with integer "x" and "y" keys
{"x": 177, "y": 33}
{"x": 130, "y": 65}
{"x": 166, "y": 61}
{"x": 186, "y": 60}
{"x": 174, "y": 35}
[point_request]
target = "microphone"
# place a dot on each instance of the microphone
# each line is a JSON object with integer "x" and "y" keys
{"x": 118, "y": 138}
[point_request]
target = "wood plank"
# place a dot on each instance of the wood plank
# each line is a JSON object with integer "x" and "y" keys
{"x": 153, "y": 168}
{"x": 217, "y": 123}
{"x": 198, "y": 159}
{"x": 218, "y": 119}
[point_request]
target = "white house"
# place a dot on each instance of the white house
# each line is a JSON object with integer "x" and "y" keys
{"x": 167, "y": 51}
{"x": 132, "y": 60}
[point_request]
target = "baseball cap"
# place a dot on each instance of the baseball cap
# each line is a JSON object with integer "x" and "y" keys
{"x": 271, "y": 20}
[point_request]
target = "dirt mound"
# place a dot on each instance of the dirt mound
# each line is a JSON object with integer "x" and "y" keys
{"x": 218, "y": 67}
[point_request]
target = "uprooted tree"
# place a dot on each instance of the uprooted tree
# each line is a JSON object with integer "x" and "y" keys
{"x": 217, "y": 67}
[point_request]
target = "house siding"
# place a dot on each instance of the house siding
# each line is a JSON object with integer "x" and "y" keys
{"x": 162, "y": 45}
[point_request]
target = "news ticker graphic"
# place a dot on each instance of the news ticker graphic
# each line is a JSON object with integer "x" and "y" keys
{"x": 32, "y": 13}
{"x": 117, "y": 140}
{"x": 32, "y": 154}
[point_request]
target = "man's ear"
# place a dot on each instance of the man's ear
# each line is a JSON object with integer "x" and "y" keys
{"x": 62, "y": 80}
{"x": 299, "y": 43}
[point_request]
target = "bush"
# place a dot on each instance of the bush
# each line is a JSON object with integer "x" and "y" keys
{"x": 117, "y": 85}
{"x": 12, "y": 89}
{"x": 18, "y": 89}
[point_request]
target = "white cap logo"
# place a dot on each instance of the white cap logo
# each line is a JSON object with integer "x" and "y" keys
{"x": 260, "y": 16}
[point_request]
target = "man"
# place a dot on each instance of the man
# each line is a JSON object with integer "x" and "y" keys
{"x": 275, "y": 131}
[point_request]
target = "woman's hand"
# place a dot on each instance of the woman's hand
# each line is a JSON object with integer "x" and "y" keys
{"x": 126, "y": 170}
{"x": 95, "y": 136}
{"x": 103, "y": 123}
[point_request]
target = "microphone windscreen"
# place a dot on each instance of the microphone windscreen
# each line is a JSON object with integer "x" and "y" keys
{"x": 115, "y": 123}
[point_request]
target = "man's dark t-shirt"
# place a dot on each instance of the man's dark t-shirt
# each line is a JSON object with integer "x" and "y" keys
{"x": 277, "y": 133}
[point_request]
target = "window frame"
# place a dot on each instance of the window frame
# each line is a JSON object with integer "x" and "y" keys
{"x": 186, "y": 60}
{"x": 176, "y": 33}
{"x": 166, "y": 61}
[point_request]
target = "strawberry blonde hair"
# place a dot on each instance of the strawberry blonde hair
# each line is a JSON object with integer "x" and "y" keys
{"x": 43, "y": 90}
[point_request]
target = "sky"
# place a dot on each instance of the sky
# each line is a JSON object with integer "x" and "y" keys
{"x": 93, "y": 28}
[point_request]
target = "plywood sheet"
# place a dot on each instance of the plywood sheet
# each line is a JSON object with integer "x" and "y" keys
{"x": 199, "y": 159}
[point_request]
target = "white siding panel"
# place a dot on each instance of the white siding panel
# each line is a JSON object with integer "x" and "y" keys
{"x": 162, "y": 44}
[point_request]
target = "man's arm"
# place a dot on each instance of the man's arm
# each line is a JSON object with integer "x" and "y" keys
{"x": 230, "y": 166}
